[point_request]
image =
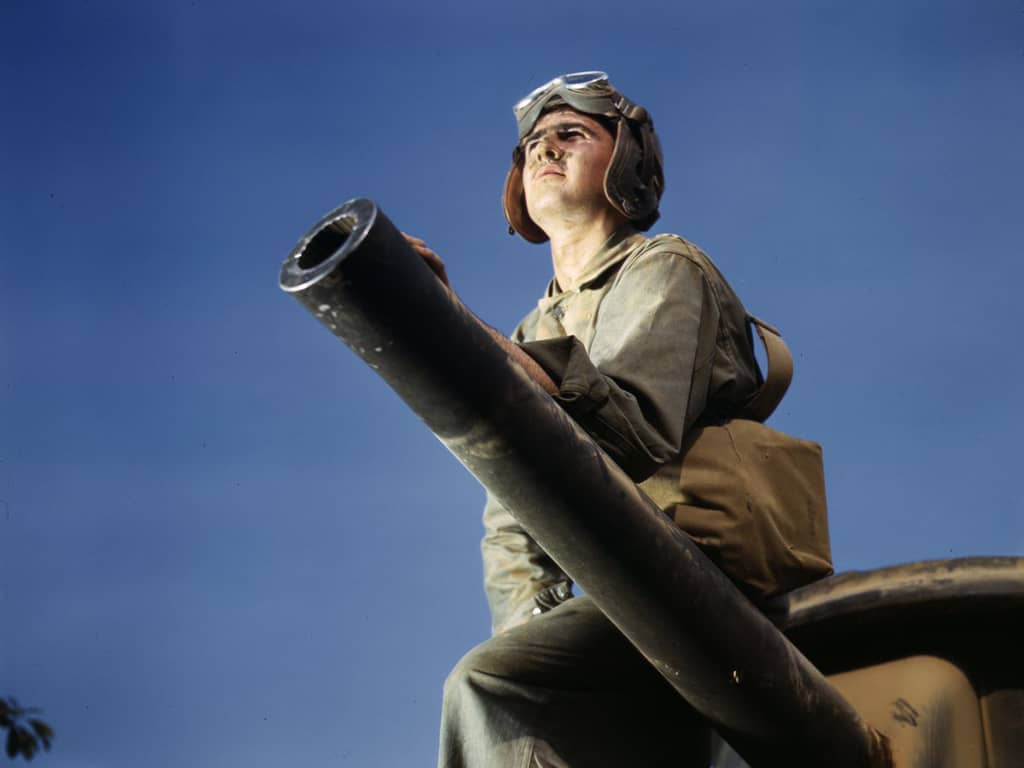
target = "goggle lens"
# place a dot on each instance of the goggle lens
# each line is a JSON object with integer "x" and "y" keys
{"x": 577, "y": 79}
{"x": 593, "y": 81}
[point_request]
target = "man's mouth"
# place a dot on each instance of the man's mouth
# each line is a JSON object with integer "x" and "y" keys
{"x": 548, "y": 169}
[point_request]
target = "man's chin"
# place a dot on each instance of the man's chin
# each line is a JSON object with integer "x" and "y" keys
{"x": 551, "y": 200}
{"x": 559, "y": 206}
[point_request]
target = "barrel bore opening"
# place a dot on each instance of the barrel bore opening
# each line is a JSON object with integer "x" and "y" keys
{"x": 326, "y": 242}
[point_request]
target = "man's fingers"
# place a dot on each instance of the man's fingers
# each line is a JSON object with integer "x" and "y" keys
{"x": 418, "y": 245}
{"x": 435, "y": 263}
{"x": 432, "y": 259}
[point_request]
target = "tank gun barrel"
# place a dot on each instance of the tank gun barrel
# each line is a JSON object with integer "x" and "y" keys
{"x": 355, "y": 273}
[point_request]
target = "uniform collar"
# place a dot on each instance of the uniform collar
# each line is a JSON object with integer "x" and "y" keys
{"x": 614, "y": 250}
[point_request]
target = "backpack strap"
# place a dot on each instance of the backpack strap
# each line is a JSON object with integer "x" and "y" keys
{"x": 778, "y": 375}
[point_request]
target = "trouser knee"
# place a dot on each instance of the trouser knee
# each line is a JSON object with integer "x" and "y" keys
{"x": 473, "y": 670}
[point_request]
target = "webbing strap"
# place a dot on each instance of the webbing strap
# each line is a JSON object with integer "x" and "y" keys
{"x": 778, "y": 375}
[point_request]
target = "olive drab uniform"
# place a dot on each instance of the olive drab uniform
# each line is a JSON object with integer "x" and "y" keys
{"x": 653, "y": 342}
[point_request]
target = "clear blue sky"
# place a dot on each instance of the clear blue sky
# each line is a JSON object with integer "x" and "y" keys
{"x": 224, "y": 542}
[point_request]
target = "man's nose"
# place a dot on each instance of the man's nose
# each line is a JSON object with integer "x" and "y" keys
{"x": 547, "y": 150}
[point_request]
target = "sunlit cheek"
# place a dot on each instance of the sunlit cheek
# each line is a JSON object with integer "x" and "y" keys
{"x": 530, "y": 195}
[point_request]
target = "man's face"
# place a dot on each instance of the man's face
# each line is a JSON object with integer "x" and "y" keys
{"x": 566, "y": 156}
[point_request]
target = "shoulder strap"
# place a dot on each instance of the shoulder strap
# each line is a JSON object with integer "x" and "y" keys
{"x": 778, "y": 375}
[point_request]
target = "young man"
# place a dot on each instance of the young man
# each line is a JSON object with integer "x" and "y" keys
{"x": 639, "y": 339}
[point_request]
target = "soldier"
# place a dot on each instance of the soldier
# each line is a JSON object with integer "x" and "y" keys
{"x": 639, "y": 339}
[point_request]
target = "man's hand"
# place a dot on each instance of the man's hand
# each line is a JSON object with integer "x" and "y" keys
{"x": 533, "y": 370}
{"x": 433, "y": 260}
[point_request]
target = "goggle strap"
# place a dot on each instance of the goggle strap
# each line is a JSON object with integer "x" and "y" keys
{"x": 629, "y": 110}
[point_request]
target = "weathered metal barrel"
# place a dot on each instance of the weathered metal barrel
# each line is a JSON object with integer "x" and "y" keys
{"x": 354, "y": 272}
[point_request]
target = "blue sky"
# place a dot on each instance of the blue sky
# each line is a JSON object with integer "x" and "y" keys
{"x": 224, "y": 542}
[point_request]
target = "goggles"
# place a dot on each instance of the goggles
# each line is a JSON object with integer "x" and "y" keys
{"x": 583, "y": 83}
{"x": 587, "y": 92}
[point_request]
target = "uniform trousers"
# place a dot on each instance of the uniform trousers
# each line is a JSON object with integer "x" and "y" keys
{"x": 566, "y": 690}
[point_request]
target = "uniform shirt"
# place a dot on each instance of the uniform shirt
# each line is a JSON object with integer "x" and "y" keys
{"x": 652, "y": 340}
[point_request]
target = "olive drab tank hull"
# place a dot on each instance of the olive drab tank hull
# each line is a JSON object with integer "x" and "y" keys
{"x": 930, "y": 654}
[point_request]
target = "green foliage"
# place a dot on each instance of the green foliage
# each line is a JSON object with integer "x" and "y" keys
{"x": 25, "y": 734}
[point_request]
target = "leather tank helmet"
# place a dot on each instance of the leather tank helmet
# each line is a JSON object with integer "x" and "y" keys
{"x": 634, "y": 180}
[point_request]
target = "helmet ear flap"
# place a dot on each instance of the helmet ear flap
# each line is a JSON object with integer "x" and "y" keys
{"x": 633, "y": 182}
{"x": 514, "y": 202}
